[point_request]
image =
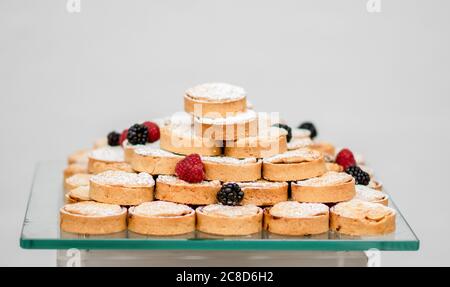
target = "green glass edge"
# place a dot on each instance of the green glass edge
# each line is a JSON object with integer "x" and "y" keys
{"x": 328, "y": 245}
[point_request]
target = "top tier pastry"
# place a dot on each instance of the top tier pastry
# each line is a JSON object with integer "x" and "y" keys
{"x": 215, "y": 100}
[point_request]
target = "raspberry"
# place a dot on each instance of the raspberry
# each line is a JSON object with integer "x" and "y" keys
{"x": 345, "y": 158}
{"x": 123, "y": 136}
{"x": 153, "y": 131}
{"x": 190, "y": 169}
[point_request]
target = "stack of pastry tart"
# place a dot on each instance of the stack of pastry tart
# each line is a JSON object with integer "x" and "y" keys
{"x": 221, "y": 168}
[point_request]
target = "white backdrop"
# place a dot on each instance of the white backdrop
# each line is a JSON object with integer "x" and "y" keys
{"x": 375, "y": 82}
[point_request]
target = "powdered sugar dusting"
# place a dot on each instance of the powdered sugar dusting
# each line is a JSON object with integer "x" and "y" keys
{"x": 91, "y": 208}
{"x": 300, "y": 133}
{"x": 155, "y": 152}
{"x": 261, "y": 184}
{"x": 170, "y": 179}
{"x": 230, "y": 211}
{"x": 79, "y": 179}
{"x": 329, "y": 178}
{"x": 299, "y": 143}
{"x": 365, "y": 193}
{"x": 294, "y": 209}
{"x": 126, "y": 145}
{"x": 216, "y": 92}
{"x": 108, "y": 153}
{"x": 359, "y": 209}
{"x": 228, "y": 160}
{"x": 295, "y": 156}
{"x": 126, "y": 179}
{"x": 162, "y": 209}
{"x": 238, "y": 118}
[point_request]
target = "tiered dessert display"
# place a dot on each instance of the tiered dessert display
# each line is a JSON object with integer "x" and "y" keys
{"x": 221, "y": 168}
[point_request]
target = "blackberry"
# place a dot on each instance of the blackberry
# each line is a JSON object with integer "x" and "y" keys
{"x": 361, "y": 177}
{"x": 287, "y": 128}
{"x": 137, "y": 134}
{"x": 309, "y": 126}
{"x": 230, "y": 194}
{"x": 113, "y": 139}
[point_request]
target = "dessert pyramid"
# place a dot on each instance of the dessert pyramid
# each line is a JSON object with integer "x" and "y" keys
{"x": 222, "y": 168}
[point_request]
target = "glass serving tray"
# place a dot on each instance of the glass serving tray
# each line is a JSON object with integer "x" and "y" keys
{"x": 41, "y": 230}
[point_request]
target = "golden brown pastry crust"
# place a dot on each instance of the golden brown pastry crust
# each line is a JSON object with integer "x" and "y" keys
{"x": 293, "y": 171}
{"x": 194, "y": 194}
{"x": 160, "y": 225}
{"x": 255, "y": 147}
{"x": 264, "y": 195}
{"x": 299, "y": 226}
{"x": 95, "y": 225}
{"x": 221, "y": 225}
{"x": 210, "y": 108}
{"x": 155, "y": 165}
{"x": 119, "y": 194}
{"x": 232, "y": 172}
{"x": 324, "y": 194}
{"x": 358, "y": 226}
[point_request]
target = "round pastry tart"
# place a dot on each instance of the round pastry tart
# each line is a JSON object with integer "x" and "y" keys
{"x": 107, "y": 158}
{"x": 161, "y": 218}
{"x": 78, "y": 194}
{"x": 215, "y": 100}
{"x": 171, "y": 188}
{"x": 154, "y": 161}
{"x": 75, "y": 168}
{"x": 366, "y": 193}
{"x": 327, "y": 149}
{"x": 294, "y": 218}
{"x": 123, "y": 188}
{"x": 234, "y": 127}
{"x": 358, "y": 217}
{"x": 294, "y": 165}
{"x": 329, "y": 188}
{"x": 331, "y": 166}
{"x": 265, "y": 144}
{"x": 229, "y": 220}
{"x": 89, "y": 217}
{"x": 80, "y": 156}
{"x": 375, "y": 185}
{"x": 231, "y": 169}
{"x": 76, "y": 180}
{"x": 264, "y": 193}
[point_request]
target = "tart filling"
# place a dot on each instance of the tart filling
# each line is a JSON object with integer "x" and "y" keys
{"x": 228, "y": 160}
{"x": 231, "y": 211}
{"x": 80, "y": 193}
{"x": 295, "y": 156}
{"x": 173, "y": 180}
{"x": 238, "y": 118}
{"x": 126, "y": 179}
{"x": 365, "y": 193}
{"x": 80, "y": 179}
{"x": 162, "y": 209}
{"x": 294, "y": 209}
{"x": 108, "y": 153}
{"x": 358, "y": 209}
{"x": 328, "y": 179}
{"x": 154, "y": 152}
{"x": 91, "y": 208}
{"x": 260, "y": 184}
{"x": 216, "y": 92}
{"x": 299, "y": 143}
